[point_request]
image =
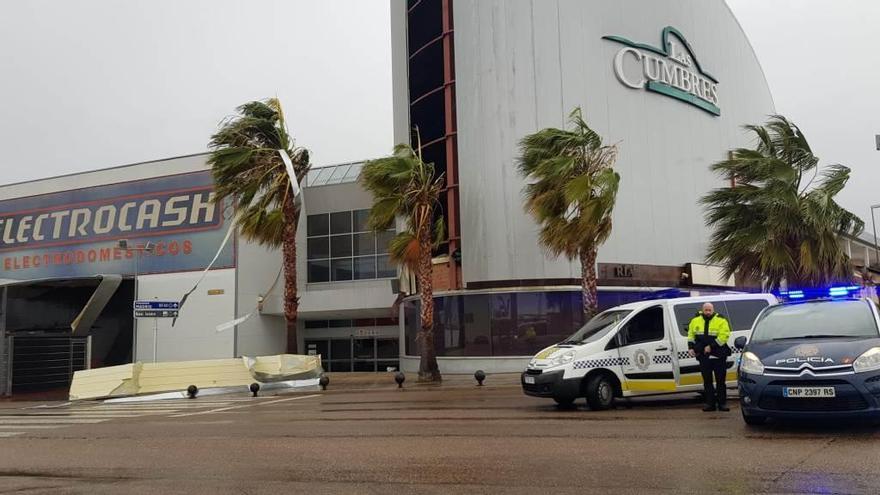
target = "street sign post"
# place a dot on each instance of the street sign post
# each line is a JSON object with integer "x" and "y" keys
{"x": 154, "y": 308}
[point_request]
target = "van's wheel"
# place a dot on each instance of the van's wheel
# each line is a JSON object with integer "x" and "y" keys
{"x": 564, "y": 402}
{"x": 600, "y": 392}
{"x": 754, "y": 420}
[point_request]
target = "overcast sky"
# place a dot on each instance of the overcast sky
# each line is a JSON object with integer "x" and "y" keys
{"x": 820, "y": 58}
{"x": 89, "y": 84}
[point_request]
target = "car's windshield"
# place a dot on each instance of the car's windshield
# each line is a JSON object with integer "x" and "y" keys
{"x": 821, "y": 319}
{"x": 597, "y": 326}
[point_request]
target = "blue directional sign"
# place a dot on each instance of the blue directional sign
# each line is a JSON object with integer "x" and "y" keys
{"x": 156, "y": 309}
{"x": 156, "y": 304}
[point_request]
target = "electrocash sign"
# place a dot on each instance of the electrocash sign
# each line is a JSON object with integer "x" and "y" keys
{"x": 670, "y": 69}
{"x": 76, "y": 233}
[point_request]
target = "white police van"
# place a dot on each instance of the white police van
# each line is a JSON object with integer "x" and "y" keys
{"x": 636, "y": 349}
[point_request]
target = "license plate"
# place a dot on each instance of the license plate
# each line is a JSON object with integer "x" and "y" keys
{"x": 530, "y": 380}
{"x": 807, "y": 392}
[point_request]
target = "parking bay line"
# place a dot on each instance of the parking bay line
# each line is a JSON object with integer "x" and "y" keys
{"x": 223, "y": 409}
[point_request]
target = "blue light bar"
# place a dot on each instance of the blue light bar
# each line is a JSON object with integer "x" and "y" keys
{"x": 796, "y": 294}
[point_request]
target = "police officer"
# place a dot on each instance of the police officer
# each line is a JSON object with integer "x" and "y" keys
{"x": 707, "y": 341}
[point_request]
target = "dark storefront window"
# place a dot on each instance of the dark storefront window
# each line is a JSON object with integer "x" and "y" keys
{"x": 505, "y": 324}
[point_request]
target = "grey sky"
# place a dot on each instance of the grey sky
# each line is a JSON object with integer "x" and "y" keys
{"x": 89, "y": 84}
{"x": 820, "y": 58}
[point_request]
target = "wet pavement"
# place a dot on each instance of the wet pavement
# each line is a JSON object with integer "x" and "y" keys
{"x": 457, "y": 438}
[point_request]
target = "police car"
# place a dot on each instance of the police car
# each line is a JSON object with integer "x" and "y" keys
{"x": 811, "y": 358}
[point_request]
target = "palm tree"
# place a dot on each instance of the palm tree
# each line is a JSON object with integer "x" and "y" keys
{"x": 403, "y": 185}
{"x": 248, "y": 168}
{"x": 571, "y": 192}
{"x": 778, "y": 221}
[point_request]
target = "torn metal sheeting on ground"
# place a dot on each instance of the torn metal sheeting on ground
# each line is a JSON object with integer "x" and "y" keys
{"x": 172, "y": 377}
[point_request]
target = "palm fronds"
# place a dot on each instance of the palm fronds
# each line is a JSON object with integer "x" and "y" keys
{"x": 780, "y": 223}
{"x": 247, "y": 168}
{"x": 571, "y": 189}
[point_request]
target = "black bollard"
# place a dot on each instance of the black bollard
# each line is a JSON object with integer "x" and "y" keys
{"x": 192, "y": 391}
{"x": 323, "y": 381}
{"x": 480, "y": 375}
{"x": 399, "y": 377}
{"x": 255, "y": 387}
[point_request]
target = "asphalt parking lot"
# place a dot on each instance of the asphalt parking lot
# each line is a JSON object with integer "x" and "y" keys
{"x": 457, "y": 438}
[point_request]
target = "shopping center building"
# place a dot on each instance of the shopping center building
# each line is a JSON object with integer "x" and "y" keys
{"x": 670, "y": 83}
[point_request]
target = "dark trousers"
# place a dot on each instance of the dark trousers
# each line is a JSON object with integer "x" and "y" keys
{"x": 718, "y": 368}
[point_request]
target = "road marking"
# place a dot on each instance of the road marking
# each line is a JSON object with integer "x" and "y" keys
{"x": 5, "y": 434}
{"x": 31, "y": 420}
{"x": 131, "y": 409}
{"x": 31, "y": 427}
{"x": 50, "y": 406}
{"x": 223, "y": 409}
{"x": 81, "y": 415}
{"x": 168, "y": 407}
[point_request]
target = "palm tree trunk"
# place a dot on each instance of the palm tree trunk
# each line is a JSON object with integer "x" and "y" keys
{"x": 588, "y": 282}
{"x": 429, "y": 371}
{"x": 288, "y": 247}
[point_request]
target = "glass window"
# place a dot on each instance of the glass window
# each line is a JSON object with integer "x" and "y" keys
{"x": 365, "y": 366}
{"x": 364, "y": 244}
{"x": 318, "y": 224}
{"x": 340, "y": 246}
{"x": 364, "y": 348}
{"x": 340, "y": 222}
{"x": 318, "y": 248}
{"x": 340, "y": 349}
{"x": 741, "y": 314}
{"x": 387, "y": 366}
{"x": 361, "y": 217}
{"x": 385, "y": 268}
{"x": 339, "y": 366}
{"x": 598, "y": 326}
{"x": 365, "y": 268}
{"x": 340, "y": 269}
{"x": 338, "y": 174}
{"x": 321, "y": 176}
{"x": 503, "y": 323}
{"x": 387, "y": 349}
{"x": 646, "y": 326}
{"x": 354, "y": 172}
{"x": 684, "y": 313}
{"x": 315, "y": 323}
{"x": 821, "y": 319}
{"x": 319, "y": 271}
{"x": 383, "y": 239}
{"x": 318, "y": 348}
{"x": 345, "y": 234}
{"x": 339, "y": 323}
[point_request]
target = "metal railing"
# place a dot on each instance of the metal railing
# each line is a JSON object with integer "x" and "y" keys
{"x": 44, "y": 362}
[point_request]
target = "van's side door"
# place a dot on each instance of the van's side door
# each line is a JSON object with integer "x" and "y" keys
{"x": 645, "y": 353}
{"x": 740, "y": 314}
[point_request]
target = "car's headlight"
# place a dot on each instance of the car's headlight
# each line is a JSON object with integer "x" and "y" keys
{"x": 751, "y": 364}
{"x": 869, "y": 361}
{"x": 563, "y": 358}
